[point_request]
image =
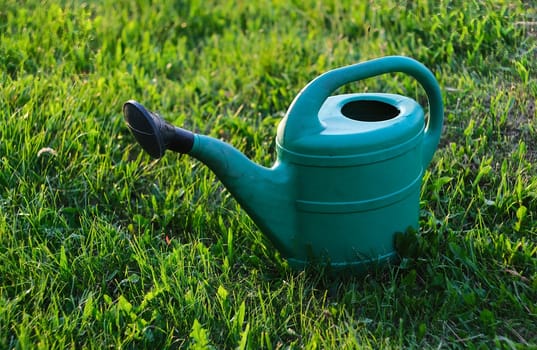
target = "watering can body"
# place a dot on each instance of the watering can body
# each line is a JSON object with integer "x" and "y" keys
{"x": 348, "y": 172}
{"x": 358, "y": 180}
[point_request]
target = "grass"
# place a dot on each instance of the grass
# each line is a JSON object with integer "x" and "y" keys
{"x": 101, "y": 247}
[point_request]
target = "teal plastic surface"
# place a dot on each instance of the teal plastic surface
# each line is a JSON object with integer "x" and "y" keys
{"x": 302, "y": 118}
{"x": 348, "y": 171}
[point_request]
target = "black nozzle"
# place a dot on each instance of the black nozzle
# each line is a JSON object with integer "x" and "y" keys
{"x": 153, "y": 133}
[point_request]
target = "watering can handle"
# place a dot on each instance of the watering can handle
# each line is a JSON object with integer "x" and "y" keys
{"x": 309, "y": 101}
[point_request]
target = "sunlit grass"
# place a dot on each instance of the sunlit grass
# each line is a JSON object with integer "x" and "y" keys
{"x": 102, "y": 247}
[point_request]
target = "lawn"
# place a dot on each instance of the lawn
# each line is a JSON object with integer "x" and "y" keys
{"x": 103, "y": 247}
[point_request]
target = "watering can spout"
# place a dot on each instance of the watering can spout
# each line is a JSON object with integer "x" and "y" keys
{"x": 262, "y": 192}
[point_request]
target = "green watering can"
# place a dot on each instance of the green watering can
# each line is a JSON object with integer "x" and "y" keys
{"x": 348, "y": 171}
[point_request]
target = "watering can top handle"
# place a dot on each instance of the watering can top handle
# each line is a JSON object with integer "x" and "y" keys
{"x": 311, "y": 98}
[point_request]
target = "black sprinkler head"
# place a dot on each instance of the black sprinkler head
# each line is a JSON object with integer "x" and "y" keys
{"x": 153, "y": 133}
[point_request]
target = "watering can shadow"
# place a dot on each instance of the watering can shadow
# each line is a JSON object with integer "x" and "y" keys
{"x": 348, "y": 171}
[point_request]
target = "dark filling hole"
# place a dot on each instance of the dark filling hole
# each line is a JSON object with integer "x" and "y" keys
{"x": 369, "y": 111}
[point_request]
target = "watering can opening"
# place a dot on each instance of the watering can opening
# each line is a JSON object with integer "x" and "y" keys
{"x": 369, "y": 111}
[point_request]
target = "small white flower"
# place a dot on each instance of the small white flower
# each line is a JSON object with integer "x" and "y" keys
{"x": 46, "y": 150}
